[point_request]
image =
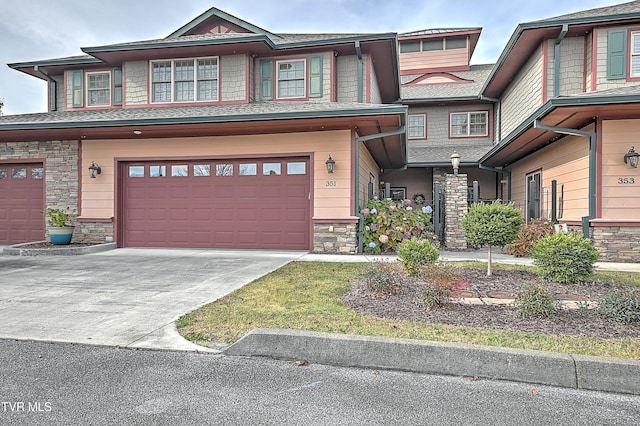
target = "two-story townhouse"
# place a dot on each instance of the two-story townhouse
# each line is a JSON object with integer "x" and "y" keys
{"x": 569, "y": 120}
{"x": 446, "y": 111}
{"x": 222, "y": 134}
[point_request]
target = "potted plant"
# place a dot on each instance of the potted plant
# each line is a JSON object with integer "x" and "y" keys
{"x": 60, "y": 226}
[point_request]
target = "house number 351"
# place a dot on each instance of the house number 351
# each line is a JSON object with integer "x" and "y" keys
{"x": 626, "y": 181}
{"x": 330, "y": 183}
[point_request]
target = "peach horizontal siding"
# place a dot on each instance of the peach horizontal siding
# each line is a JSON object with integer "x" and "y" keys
{"x": 619, "y": 200}
{"x": 567, "y": 162}
{"x": 330, "y": 200}
{"x": 367, "y": 166}
{"x": 434, "y": 59}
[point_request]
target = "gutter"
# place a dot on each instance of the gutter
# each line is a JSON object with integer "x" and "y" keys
{"x": 53, "y": 84}
{"x": 592, "y": 167}
{"x": 356, "y": 158}
{"x": 556, "y": 60}
{"x": 499, "y": 103}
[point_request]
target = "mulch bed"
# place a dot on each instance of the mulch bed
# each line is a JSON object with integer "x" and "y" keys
{"x": 404, "y": 305}
{"x": 48, "y": 245}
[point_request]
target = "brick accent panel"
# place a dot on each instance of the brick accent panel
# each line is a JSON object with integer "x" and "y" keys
{"x": 456, "y": 206}
{"x": 617, "y": 243}
{"x": 336, "y": 238}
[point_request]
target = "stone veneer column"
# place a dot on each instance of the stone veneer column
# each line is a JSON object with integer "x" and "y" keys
{"x": 455, "y": 194}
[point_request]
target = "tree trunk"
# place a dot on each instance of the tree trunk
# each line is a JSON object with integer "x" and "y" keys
{"x": 489, "y": 262}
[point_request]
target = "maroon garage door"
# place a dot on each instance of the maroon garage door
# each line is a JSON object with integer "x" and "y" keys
{"x": 249, "y": 204}
{"x": 21, "y": 203}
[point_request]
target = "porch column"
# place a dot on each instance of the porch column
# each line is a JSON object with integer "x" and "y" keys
{"x": 455, "y": 195}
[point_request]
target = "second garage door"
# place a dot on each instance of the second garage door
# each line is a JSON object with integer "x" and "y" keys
{"x": 21, "y": 203}
{"x": 246, "y": 203}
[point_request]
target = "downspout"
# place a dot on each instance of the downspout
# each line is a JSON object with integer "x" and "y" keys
{"x": 499, "y": 103}
{"x": 356, "y": 184}
{"x": 556, "y": 60}
{"x": 53, "y": 103}
{"x": 592, "y": 167}
{"x": 360, "y": 72}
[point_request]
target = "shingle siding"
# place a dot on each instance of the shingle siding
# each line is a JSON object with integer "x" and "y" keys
{"x": 136, "y": 86}
{"x": 233, "y": 85}
{"x": 374, "y": 89}
{"x": 59, "y": 91}
{"x": 571, "y": 66}
{"x": 524, "y": 94}
{"x": 347, "y": 69}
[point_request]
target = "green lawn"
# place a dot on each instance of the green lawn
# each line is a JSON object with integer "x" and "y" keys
{"x": 306, "y": 296}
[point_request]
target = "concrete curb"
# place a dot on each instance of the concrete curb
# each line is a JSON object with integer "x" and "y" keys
{"x": 24, "y": 250}
{"x": 518, "y": 365}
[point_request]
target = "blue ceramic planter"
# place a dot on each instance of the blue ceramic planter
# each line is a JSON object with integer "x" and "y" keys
{"x": 61, "y": 236}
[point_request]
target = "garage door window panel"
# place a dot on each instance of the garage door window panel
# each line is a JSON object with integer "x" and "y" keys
{"x": 37, "y": 173}
{"x": 20, "y": 173}
{"x": 180, "y": 170}
{"x": 136, "y": 171}
{"x": 296, "y": 168}
{"x": 157, "y": 171}
{"x": 270, "y": 169}
{"x": 224, "y": 169}
{"x": 248, "y": 169}
{"x": 202, "y": 169}
{"x": 3, "y": 174}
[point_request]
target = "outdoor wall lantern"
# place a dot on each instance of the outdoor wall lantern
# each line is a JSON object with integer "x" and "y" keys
{"x": 94, "y": 170}
{"x": 455, "y": 162}
{"x": 631, "y": 158}
{"x": 332, "y": 164}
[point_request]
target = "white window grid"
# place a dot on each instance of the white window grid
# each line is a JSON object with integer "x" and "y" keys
{"x": 291, "y": 79}
{"x": 465, "y": 124}
{"x": 184, "y": 80}
{"x": 98, "y": 88}
{"x": 417, "y": 126}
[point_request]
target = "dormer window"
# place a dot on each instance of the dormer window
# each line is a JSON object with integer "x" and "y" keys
{"x": 184, "y": 80}
{"x": 291, "y": 79}
{"x": 98, "y": 88}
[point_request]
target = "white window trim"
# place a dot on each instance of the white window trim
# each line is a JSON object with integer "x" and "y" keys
{"x": 424, "y": 126}
{"x": 195, "y": 80}
{"x": 468, "y": 133}
{"x": 632, "y": 36}
{"x": 87, "y": 90}
{"x": 305, "y": 78}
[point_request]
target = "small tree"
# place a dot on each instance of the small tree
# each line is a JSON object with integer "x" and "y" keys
{"x": 494, "y": 224}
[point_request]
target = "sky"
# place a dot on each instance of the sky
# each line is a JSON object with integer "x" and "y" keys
{"x": 43, "y": 29}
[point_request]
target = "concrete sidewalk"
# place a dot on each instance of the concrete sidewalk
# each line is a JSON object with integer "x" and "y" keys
{"x": 460, "y": 256}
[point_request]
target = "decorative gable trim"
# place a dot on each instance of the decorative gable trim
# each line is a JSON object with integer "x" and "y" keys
{"x": 437, "y": 78}
{"x": 216, "y": 15}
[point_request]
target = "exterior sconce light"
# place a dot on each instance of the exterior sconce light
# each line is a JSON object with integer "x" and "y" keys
{"x": 631, "y": 158}
{"x": 94, "y": 170}
{"x": 455, "y": 162}
{"x": 332, "y": 164}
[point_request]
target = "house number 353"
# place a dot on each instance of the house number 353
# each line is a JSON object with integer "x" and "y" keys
{"x": 626, "y": 181}
{"x": 330, "y": 183}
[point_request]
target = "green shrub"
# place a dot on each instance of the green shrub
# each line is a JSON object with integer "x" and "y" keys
{"x": 621, "y": 306}
{"x": 564, "y": 257}
{"x": 416, "y": 253}
{"x": 433, "y": 296}
{"x": 443, "y": 275}
{"x": 387, "y": 223}
{"x": 529, "y": 234}
{"x": 382, "y": 277}
{"x": 536, "y": 302}
{"x": 494, "y": 224}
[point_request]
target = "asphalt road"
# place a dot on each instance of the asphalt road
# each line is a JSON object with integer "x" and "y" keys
{"x": 55, "y": 383}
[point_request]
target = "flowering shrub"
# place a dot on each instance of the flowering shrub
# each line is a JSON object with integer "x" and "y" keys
{"x": 528, "y": 235}
{"x": 387, "y": 223}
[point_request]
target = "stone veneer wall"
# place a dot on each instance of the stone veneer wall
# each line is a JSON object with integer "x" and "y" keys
{"x": 617, "y": 243}
{"x": 336, "y": 238}
{"x": 93, "y": 232}
{"x": 456, "y": 206}
{"x": 60, "y": 167}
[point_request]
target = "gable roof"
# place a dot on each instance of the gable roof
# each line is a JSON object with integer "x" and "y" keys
{"x": 468, "y": 87}
{"x": 528, "y": 36}
{"x": 214, "y": 14}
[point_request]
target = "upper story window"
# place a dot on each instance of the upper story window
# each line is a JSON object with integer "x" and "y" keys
{"x": 291, "y": 78}
{"x": 468, "y": 124}
{"x": 433, "y": 44}
{"x": 635, "y": 54}
{"x": 184, "y": 80}
{"x": 417, "y": 126}
{"x": 98, "y": 88}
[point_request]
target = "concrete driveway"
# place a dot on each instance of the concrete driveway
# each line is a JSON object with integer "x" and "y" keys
{"x": 124, "y": 297}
